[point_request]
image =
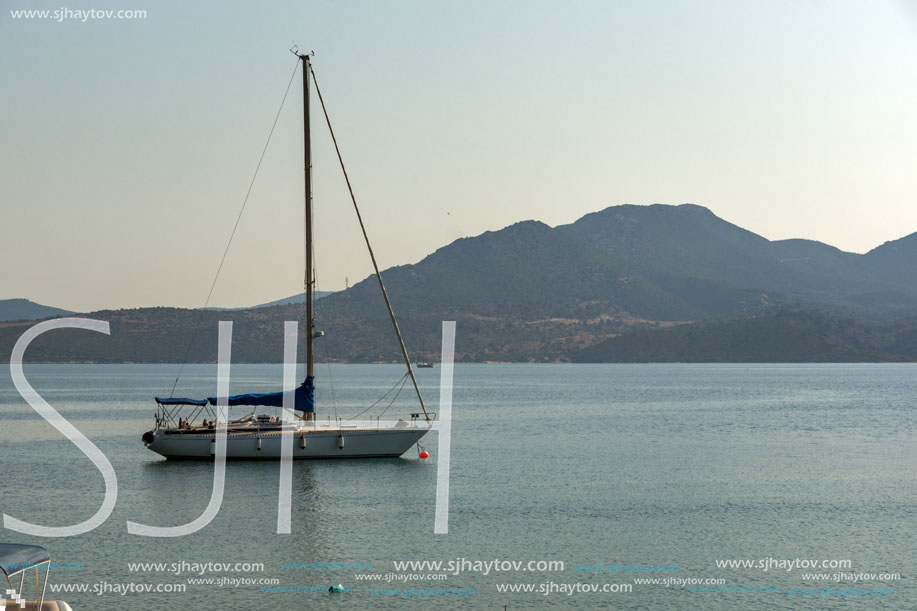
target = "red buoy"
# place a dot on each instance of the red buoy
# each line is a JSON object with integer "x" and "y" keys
{"x": 425, "y": 454}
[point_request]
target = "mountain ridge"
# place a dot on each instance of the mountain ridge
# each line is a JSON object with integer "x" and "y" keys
{"x": 530, "y": 292}
{"x": 26, "y": 309}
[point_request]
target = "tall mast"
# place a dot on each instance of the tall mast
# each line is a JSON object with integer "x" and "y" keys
{"x": 309, "y": 280}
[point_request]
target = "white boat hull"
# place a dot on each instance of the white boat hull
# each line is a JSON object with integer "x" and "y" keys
{"x": 320, "y": 442}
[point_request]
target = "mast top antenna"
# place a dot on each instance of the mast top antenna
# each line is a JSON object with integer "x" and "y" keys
{"x": 295, "y": 51}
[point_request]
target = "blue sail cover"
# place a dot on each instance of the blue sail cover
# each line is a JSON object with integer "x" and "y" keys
{"x": 304, "y": 398}
{"x": 180, "y": 401}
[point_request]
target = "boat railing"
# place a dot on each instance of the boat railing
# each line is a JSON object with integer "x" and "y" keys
{"x": 169, "y": 415}
{"x": 16, "y": 560}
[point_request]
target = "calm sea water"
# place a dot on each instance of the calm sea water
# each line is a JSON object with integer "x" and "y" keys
{"x": 587, "y": 464}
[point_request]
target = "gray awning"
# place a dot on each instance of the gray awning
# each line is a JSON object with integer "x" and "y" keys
{"x": 16, "y": 558}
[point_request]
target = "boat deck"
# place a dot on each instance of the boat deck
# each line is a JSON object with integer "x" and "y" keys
{"x": 307, "y": 430}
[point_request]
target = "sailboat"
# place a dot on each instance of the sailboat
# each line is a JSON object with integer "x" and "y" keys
{"x": 187, "y": 429}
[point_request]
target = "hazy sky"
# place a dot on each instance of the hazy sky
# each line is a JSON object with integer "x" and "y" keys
{"x": 126, "y": 146}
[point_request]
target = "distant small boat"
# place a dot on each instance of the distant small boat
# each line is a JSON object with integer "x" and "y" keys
{"x": 425, "y": 365}
{"x": 187, "y": 428}
{"x": 15, "y": 560}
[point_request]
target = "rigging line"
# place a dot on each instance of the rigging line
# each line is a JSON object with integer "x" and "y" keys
{"x": 401, "y": 381}
{"x": 334, "y": 405}
{"x": 234, "y": 227}
{"x": 395, "y": 398}
{"x": 391, "y": 313}
{"x": 321, "y": 314}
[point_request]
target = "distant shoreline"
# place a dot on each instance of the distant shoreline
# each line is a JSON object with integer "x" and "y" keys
{"x": 887, "y": 362}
